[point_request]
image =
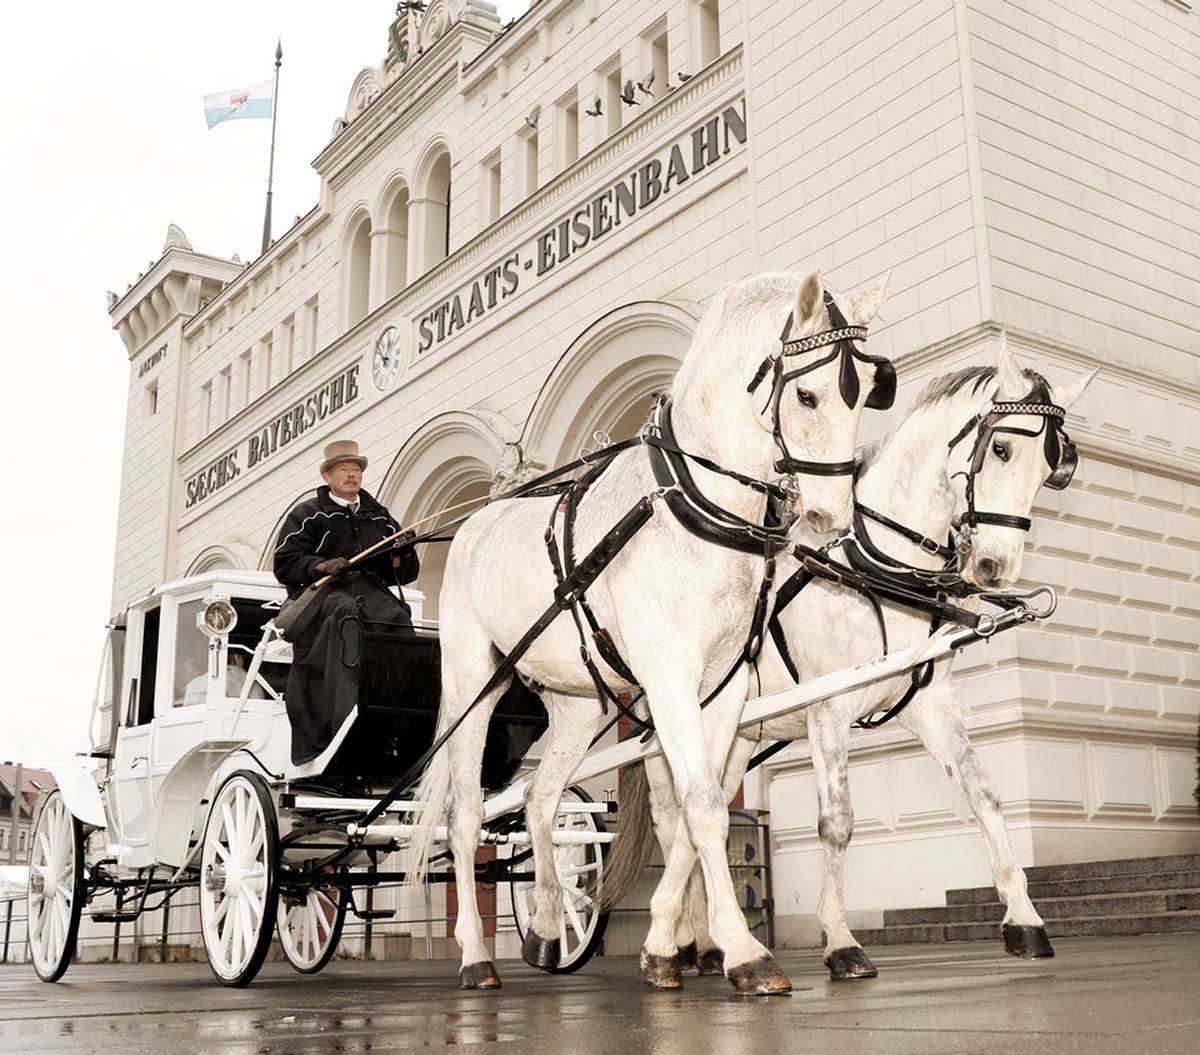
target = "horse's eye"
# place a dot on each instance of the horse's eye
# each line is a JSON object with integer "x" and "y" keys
{"x": 806, "y": 398}
{"x": 1001, "y": 451}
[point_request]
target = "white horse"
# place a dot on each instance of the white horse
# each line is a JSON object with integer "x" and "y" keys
{"x": 916, "y": 477}
{"x": 678, "y": 608}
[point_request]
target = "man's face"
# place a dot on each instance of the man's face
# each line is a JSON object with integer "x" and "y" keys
{"x": 344, "y": 479}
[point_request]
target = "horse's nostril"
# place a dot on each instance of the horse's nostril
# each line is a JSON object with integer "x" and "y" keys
{"x": 988, "y": 569}
{"x": 819, "y": 521}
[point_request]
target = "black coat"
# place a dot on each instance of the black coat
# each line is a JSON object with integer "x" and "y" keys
{"x": 318, "y": 529}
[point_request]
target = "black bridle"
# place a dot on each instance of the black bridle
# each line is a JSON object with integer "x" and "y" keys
{"x": 1059, "y": 451}
{"x": 840, "y": 337}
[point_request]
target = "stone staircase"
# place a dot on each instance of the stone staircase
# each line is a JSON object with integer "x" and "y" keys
{"x": 1143, "y": 895}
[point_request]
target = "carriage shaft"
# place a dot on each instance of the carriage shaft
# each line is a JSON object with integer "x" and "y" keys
{"x": 386, "y": 833}
{"x": 777, "y": 704}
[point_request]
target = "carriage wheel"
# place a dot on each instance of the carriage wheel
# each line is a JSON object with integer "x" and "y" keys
{"x": 580, "y": 870}
{"x": 239, "y": 873}
{"x": 310, "y": 926}
{"x": 56, "y": 888}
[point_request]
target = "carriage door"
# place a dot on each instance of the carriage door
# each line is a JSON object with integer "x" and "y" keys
{"x": 130, "y": 802}
{"x": 189, "y": 673}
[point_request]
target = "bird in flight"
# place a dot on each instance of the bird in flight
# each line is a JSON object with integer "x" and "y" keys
{"x": 595, "y": 112}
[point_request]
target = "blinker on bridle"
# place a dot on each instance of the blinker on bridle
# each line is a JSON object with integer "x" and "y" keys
{"x": 1060, "y": 452}
{"x": 840, "y": 338}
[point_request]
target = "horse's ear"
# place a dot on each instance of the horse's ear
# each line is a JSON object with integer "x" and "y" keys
{"x": 865, "y": 306}
{"x": 809, "y": 301}
{"x": 1012, "y": 383}
{"x": 1065, "y": 395}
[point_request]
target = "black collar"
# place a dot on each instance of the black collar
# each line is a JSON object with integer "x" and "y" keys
{"x": 701, "y": 516}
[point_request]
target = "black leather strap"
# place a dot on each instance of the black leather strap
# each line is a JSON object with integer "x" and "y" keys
{"x": 929, "y": 545}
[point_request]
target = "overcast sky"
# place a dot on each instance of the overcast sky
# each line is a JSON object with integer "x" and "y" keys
{"x": 105, "y": 145}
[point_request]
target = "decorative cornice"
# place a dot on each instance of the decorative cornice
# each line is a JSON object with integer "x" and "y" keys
{"x": 401, "y": 101}
{"x": 279, "y": 248}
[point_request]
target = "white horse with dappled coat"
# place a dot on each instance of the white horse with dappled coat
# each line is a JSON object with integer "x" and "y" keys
{"x": 678, "y": 608}
{"x": 965, "y": 454}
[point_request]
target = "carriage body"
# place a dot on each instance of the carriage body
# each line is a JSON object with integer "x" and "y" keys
{"x": 192, "y": 759}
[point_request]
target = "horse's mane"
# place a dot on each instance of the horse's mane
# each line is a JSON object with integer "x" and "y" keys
{"x": 975, "y": 377}
{"x": 946, "y": 386}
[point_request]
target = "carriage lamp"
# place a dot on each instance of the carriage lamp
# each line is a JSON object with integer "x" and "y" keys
{"x": 217, "y": 617}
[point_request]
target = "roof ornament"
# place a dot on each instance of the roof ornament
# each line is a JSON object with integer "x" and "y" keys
{"x": 176, "y": 239}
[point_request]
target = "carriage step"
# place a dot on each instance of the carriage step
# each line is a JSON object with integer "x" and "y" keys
{"x": 375, "y": 913}
{"x": 114, "y": 917}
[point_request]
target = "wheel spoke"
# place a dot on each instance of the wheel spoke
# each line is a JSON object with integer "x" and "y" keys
{"x": 214, "y": 844}
{"x": 577, "y": 870}
{"x": 231, "y": 831}
{"x": 562, "y": 932}
{"x": 248, "y": 928}
{"x": 255, "y": 905}
{"x": 576, "y": 923}
{"x": 256, "y": 843}
{"x": 219, "y": 914}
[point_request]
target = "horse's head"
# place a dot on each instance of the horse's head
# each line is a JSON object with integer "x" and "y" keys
{"x": 1016, "y": 445}
{"x": 792, "y": 382}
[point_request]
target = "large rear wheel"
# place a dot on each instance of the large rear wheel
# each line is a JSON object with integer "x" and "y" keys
{"x": 239, "y": 876}
{"x": 580, "y": 868}
{"x": 57, "y": 889}
{"x": 310, "y": 925}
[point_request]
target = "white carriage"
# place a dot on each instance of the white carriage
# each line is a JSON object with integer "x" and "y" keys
{"x": 190, "y": 785}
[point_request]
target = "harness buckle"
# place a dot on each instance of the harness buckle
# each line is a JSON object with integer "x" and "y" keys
{"x": 930, "y": 546}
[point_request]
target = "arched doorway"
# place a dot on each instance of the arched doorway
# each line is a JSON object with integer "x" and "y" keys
{"x": 605, "y": 381}
{"x": 448, "y": 460}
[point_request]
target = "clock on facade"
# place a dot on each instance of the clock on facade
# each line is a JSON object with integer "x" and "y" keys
{"x": 385, "y": 367}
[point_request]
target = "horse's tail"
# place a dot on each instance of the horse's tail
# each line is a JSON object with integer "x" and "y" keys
{"x": 432, "y": 796}
{"x": 631, "y": 850}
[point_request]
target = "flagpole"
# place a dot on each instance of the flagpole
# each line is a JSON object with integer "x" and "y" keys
{"x": 266, "y": 239}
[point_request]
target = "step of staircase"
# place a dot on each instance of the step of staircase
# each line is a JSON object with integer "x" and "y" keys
{"x": 1148, "y": 895}
{"x": 1119, "y": 884}
{"x": 1142, "y": 904}
{"x": 1093, "y": 927}
{"x": 1122, "y": 867}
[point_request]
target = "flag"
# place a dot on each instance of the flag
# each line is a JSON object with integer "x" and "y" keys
{"x": 255, "y": 101}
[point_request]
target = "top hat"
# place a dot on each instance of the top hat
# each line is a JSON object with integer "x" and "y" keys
{"x": 342, "y": 451}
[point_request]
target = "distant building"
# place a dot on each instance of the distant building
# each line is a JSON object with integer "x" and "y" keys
{"x": 14, "y": 837}
{"x": 517, "y": 230}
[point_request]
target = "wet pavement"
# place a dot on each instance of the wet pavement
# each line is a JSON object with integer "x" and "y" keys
{"x": 1099, "y": 995}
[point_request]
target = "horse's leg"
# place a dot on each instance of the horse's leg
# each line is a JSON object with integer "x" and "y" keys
{"x": 665, "y": 973}
{"x": 829, "y": 737}
{"x": 709, "y": 958}
{"x": 572, "y": 723}
{"x": 691, "y": 741}
{"x": 464, "y": 672}
{"x": 936, "y": 718}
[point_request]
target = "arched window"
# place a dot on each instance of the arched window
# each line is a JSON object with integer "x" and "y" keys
{"x": 395, "y": 244}
{"x": 357, "y": 271}
{"x": 432, "y": 211}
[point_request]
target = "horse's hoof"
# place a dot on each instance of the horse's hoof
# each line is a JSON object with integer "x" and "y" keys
{"x": 850, "y": 962}
{"x": 1030, "y": 943}
{"x": 711, "y": 961}
{"x": 687, "y": 956}
{"x": 761, "y": 977}
{"x": 480, "y": 975}
{"x": 662, "y": 972}
{"x": 539, "y": 952}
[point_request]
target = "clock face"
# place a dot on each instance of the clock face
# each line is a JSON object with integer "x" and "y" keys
{"x": 385, "y": 367}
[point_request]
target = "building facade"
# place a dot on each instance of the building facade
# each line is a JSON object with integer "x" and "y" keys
{"x": 518, "y": 229}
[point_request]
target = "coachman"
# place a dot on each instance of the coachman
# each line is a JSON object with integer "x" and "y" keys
{"x": 318, "y": 539}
